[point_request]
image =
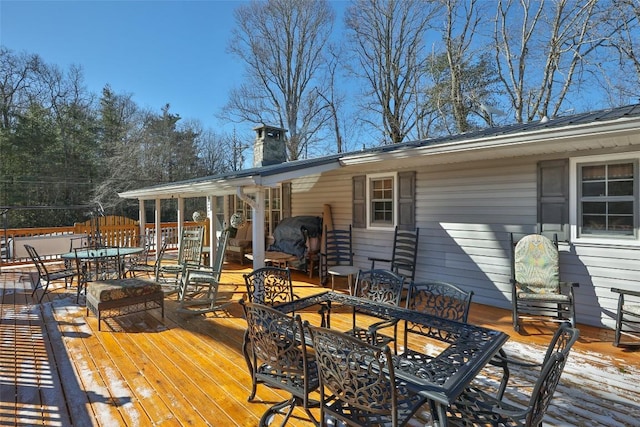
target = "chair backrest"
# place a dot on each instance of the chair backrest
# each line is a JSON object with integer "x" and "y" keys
{"x": 159, "y": 258}
{"x": 550, "y": 374}
{"x": 405, "y": 252}
{"x": 37, "y": 261}
{"x": 269, "y": 285}
{"x": 379, "y": 286}
{"x": 338, "y": 247}
{"x": 190, "y": 249}
{"x": 438, "y": 299}
{"x": 562, "y": 341}
{"x": 536, "y": 265}
{"x": 360, "y": 375}
{"x": 279, "y": 355}
{"x": 218, "y": 260}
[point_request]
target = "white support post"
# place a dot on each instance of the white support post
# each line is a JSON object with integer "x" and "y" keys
{"x": 211, "y": 209}
{"x": 158, "y": 227}
{"x": 257, "y": 206}
{"x": 142, "y": 221}
{"x": 258, "y": 230}
{"x": 180, "y": 219}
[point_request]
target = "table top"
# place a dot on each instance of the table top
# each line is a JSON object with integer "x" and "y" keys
{"x": 102, "y": 252}
{"x": 343, "y": 270}
{"x": 445, "y": 376}
{"x": 275, "y": 256}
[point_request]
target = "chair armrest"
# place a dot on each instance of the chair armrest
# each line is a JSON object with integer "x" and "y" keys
{"x": 626, "y": 292}
{"x": 501, "y": 359}
{"x": 570, "y": 284}
{"x": 381, "y": 325}
{"x": 511, "y": 413}
{"x": 375, "y": 327}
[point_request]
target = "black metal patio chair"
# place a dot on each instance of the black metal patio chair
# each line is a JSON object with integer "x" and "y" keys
{"x": 439, "y": 299}
{"x": 47, "y": 275}
{"x": 380, "y": 286}
{"x": 276, "y": 354}
{"x": 358, "y": 386}
{"x": 476, "y": 406}
{"x": 269, "y": 285}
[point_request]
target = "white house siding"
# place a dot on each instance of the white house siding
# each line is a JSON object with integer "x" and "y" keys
{"x": 465, "y": 213}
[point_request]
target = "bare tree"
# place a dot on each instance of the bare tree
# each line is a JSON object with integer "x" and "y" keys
{"x": 18, "y": 74}
{"x": 463, "y": 76}
{"x": 387, "y": 38}
{"x": 217, "y": 152}
{"x": 541, "y": 51}
{"x": 282, "y": 44}
{"x": 618, "y": 65}
{"x": 333, "y": 99}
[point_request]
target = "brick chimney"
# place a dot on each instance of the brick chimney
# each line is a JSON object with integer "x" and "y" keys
{"x": 269, "y": 148}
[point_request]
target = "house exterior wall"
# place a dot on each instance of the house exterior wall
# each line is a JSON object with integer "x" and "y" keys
{"x": 466, "y": 212}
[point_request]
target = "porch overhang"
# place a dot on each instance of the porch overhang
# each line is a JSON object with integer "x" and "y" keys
{"x": 226, "y": 184}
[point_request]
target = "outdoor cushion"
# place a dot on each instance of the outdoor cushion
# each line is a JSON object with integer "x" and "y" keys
{"x": 116, "y": 289}
{"x": 242, "y": 238}
{"x": 537, "y": 266}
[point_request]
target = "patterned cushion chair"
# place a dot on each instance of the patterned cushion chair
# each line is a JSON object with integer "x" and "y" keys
{"x": 537, "y": 289}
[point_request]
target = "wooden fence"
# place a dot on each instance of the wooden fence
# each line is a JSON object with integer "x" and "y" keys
{"x": 108, "y": 231}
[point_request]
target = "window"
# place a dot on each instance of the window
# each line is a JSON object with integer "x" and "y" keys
{"x": 607, "y": 199}
{"x": 273, "y": 208}
{"x": 381, "y": 201}
{"x": 384, "y": 200}
{"x": 604, "y": 199}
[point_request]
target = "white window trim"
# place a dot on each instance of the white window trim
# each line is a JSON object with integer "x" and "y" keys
{"x": 573, "y": 200}
{"x": 369, "y": 177}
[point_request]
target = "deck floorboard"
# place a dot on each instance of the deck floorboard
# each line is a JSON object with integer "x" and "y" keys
{"x": 57, "y": 369}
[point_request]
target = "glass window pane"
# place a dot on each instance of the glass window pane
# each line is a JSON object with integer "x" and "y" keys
{"x": 621, "y": 224}
{"x": 594, "y": 208}
{"x": 624, "y": 170}
{"x": 591, "y": 189}
{"x": 590, "y": 173}
{"x": 621, "y": 208}
{"x": 593, "y": 223}
{"x": 620, "y": 188}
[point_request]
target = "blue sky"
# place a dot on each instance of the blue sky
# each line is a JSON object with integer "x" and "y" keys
{"x": 159, "y": 51}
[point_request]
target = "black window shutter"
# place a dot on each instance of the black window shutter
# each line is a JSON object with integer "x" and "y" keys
{"x": 553, "y": 198}
{"x": 407, "y": 200}
{"x": 359, "y": 201}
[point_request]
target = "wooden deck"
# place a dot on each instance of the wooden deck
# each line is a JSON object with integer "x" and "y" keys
{"x": 56, "y": 369}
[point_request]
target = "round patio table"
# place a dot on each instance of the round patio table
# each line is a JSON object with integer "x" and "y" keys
{"x": 88, "y": 254}
{"x": 345, "y": 271}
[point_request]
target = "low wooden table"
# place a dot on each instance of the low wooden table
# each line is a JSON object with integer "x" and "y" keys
{"x": 117, "y": 297}
{"x": 278, "y": 259}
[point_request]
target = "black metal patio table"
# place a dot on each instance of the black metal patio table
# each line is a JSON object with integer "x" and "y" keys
{"x": 441, "y": 378}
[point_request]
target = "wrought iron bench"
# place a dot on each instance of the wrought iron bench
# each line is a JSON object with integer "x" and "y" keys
{"x": 117, "y": 297}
